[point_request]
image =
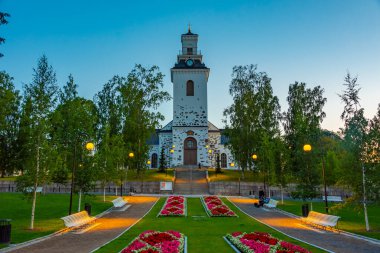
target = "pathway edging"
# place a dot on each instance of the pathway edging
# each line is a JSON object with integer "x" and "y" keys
{"x": 279, "y": 230}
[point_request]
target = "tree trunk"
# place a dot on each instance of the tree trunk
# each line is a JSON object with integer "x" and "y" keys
{"x": 104, "y": 193}
{"x": 35, "y": 189}
{"x": 367, "y": 228}
{"x": 80, "y": 199}
{"x": 282, "y": 195}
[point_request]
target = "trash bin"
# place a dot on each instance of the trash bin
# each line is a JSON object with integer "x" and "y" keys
{"x": 305, "y": 210}
{"x": 87, "y": 207}
{"x": 5, "y": 231}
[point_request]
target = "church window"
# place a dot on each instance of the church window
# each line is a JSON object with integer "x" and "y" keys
{"x": 189, "y": 50}
{"x": 190, "y": 144}
{"x": 190, "y": 88}
{"x": 154, "y": 160}
{"x": 224, "y": 160}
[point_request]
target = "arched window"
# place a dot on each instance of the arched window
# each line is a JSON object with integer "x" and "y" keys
{"x": 154, "y": 160}
{"x": 224, "y": 160}
{"x": 190, "y": 88}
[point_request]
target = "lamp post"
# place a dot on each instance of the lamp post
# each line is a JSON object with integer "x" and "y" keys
{"x": 130, "y": 155}
{"x": 170, "y": 161}
{"x": 307, "y": 148}
{"x": 90, "y": 147}
{"x": 254, "y": 158}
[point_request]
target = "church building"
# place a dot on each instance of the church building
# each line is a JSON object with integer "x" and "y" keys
{"x": 190, "y": 139}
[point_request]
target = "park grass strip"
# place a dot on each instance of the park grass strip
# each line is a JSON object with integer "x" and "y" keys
{"x": 174, "y": 206}
{"x": 156, "y": 241}
{"x": 215, "y": 207}
{"x": 259, "y": 242}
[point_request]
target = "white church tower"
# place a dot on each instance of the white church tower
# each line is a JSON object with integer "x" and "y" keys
{"x": 190, "y": 122}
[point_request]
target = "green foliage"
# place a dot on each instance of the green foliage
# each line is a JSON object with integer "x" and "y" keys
{"x": 162, "y": 161}
{"x": 9, "y": 122}
{"x": 302, "y": 125}
{"x": 3, "y": 21}
{"x": 252, "y": 120}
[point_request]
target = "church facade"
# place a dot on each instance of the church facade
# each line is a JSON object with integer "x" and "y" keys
{"x": 190, "y": 139}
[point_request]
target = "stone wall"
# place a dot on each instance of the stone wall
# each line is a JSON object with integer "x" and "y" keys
{"x": 110, "y": 189}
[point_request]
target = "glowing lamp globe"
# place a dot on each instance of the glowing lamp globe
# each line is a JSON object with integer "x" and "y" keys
{"x": 307, "y": 148}
{"x": 232, "y": 164}
{"x": 131, "y": 155}
{"x": 90, "y": 146}
{"x": 254, "y": 157}
{"x": 148, "y": 162}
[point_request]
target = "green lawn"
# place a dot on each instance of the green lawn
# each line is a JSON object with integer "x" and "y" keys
{"x": 49, "y": 209}
{"x": 232, "y": 175}
{"x": 12, "y": 178}
{"x": 351, "y": 220}
{"x": 204, "y": 234}
{"x": 150, "y": 175}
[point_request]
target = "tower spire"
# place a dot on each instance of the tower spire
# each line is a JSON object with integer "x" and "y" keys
{"x": 189, "y": 29}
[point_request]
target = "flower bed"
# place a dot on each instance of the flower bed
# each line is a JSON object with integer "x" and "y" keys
{"x": 215, "y": 207}
{"x": 258, "y": 242}
{"x": 174, "y": 206}
{"x": 157, "y": 242}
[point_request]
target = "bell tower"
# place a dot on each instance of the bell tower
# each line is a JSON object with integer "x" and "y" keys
{"x": 190, "y": 121}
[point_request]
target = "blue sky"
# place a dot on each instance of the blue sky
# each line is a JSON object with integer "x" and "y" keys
{"x": 311, "y": 41}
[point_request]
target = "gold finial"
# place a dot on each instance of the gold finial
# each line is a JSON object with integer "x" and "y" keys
{"x": 189, "y": 29}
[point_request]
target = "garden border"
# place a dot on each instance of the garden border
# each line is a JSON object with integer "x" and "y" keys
{"x": 166, "y": 201}
{"x": 280, "y": 231}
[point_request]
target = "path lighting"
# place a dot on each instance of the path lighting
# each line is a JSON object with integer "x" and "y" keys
{"x": 171, "y": 152}
{"x": 232, "y": 164}
{"x": 131, "y": 155}
{"x": 307, "y": 147}
{"x": 90, "y": 146}
{"x": 254, "y": 158}
{"x": 148, "y": 162}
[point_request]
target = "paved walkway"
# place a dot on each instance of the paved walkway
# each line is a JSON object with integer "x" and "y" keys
{"x": 334, "y": 242}
{"x": 111, "y": 225}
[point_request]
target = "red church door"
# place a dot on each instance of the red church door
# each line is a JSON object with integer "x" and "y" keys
{"x": 190, "y": 151}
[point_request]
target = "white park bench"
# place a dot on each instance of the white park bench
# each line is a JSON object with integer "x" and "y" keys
{"x": 30, "y": 189}
{"x": 321, "y": 219}
{"x": 77, "y": 219}
{"x": 333, "y": 198}
{"x": 121, "y": 204}
{"x": 271, "y": 204}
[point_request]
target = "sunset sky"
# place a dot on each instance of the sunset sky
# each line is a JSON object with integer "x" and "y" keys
{"x": 310, "y": 41}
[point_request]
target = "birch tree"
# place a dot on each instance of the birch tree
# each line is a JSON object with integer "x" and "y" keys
{"x": 40, "y": 99}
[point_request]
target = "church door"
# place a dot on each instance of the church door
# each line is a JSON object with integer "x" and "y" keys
{"x": 190, "y": 151}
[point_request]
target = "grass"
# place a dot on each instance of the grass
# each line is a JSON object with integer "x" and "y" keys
{"x": 231, "y": 175}
{"x": 12, "y": 178}
{"x": 351, "y": 220}
{"x": 204, "y": 234}
{"x": 49, "y": 209}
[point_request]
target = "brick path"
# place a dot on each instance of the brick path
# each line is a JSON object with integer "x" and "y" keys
{"x": 112, "y": 224}
{"x": 334, "y": 242}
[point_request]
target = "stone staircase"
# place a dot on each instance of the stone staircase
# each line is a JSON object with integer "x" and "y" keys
{"x": 190, "y": 181}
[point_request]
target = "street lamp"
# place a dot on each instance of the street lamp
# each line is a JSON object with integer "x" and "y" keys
{"x": 170, "y": 161}
{"x": 307, "y": 148}
{"x": 254, "y": 158}
{"x": 90, "y": 147}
